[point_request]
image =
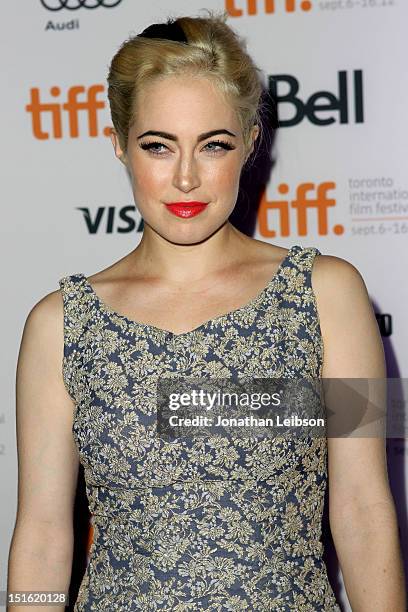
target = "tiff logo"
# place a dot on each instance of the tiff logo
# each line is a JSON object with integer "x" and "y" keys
{"x": 309, "y": 199}
{"x": 89, "y": 105}
{"x": 268, "y": 7}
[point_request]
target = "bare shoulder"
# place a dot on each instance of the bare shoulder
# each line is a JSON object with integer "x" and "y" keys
{"x": 352, "y": 340}
{"x": 45, "y": 321}
{"x": 48, "y": 309}
{"x": 333, "y": 269}
{"x": 337, "y": 281}
{"x": 339, "y": 286}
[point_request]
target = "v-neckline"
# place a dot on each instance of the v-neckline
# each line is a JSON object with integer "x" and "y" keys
{"x": 110, "y": 311}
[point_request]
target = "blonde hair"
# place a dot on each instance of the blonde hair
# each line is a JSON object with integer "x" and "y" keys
{"x": 213, "y": 51}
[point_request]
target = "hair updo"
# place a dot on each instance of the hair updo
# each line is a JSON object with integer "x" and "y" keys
{"x": 212, "y": 50}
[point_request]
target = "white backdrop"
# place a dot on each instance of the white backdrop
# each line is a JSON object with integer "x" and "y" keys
{"x": 67, "y": 202}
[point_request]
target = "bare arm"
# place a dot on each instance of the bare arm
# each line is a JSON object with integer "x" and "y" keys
{"x": 361, "y": 508}
{"x": 41, "y": 549}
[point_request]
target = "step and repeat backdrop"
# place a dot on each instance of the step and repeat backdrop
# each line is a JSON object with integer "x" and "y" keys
{"x": 339, "y": 180}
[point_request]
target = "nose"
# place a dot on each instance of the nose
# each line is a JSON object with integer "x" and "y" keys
{"x": 186, "y": 175}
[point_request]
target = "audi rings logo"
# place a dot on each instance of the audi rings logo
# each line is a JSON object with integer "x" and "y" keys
{"x": 73, "y": 5}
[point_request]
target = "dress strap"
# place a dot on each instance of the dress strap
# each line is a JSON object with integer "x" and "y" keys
{"x": 303, "y": 259}
{"x": 76, "y": 317}
{"x": 74, "y": 300}
{"x": 299, "y": 308}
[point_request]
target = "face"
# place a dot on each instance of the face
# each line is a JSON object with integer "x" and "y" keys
{"x": 184, "y": 162}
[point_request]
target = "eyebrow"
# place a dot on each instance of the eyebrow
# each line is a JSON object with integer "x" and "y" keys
{"x": 173, "y": 137}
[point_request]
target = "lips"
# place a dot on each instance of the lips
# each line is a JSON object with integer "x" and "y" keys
{"x": 186, "y": 209}
{"x": 191, "y": 203}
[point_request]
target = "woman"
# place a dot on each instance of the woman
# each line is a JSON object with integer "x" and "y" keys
{"x": 215, "y": 525}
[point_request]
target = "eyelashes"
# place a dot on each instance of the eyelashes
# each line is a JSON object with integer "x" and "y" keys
{"x": 223, "y": 144}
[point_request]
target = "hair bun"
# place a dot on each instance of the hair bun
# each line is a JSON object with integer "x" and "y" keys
{"x": 170, "y": 31}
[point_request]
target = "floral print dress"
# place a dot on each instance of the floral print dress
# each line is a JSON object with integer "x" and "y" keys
{"x": 211, "y": 525}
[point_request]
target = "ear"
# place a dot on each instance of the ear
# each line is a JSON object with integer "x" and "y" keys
{"x": 120, "y": 154}
{"x": 254, "y": 135}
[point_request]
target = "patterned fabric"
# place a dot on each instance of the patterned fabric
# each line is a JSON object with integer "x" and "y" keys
{"x": 210, "y": 525}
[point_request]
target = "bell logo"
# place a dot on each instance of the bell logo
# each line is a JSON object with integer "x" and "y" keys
{"x": 89, "y": 105}
{"x": 319, "y": 102}
{"x": 318, "y": 203}
{"x": 269, "y": 7}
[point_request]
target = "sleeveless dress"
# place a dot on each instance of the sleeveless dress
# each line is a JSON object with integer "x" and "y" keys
{"x": 213, "y": 525}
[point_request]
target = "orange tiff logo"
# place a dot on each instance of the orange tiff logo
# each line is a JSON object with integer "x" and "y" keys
{"x": 79, "y": 99}
{"x": 310, "y": 199}
{"x": 253, "y": 7}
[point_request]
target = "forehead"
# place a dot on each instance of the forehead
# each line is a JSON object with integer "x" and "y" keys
{"x": 185, "y": 103}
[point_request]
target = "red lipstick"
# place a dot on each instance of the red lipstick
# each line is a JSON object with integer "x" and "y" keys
{"x": 186, "y": 209}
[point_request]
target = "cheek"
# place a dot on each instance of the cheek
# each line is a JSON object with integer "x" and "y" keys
{"x": 149, "y": 177}
{"x": 226, "y": 177}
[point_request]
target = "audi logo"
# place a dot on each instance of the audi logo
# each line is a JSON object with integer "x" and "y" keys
{"x": 73, "y": 5}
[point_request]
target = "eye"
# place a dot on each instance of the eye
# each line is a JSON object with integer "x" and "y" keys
{"x": 149, "y": 146}
{"x": 221, "y": 144}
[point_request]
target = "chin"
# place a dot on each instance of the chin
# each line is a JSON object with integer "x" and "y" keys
{"x": 188, "y": 234}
